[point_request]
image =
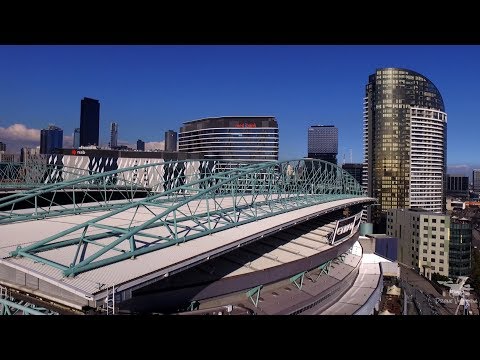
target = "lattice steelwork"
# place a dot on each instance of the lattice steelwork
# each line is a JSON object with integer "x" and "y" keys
{"x": 197, "y": 208}
{"x": 33, "y": 174}
{"x": 85, "y": 192}
{"x": 11, "y": 306}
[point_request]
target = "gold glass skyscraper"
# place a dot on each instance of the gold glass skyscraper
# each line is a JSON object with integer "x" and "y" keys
{"x": 405, "y": 127}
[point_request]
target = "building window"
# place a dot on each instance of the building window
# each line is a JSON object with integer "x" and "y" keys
{"x": 424, "y": 251}
{"x": 442, "y": 221}
{"x": 434, "y": 236}
{"x": 442, "y": 229}
{"x": 432, "y": 252}
{"x": 442, "y": 237}
{"x": 432, "y": 259}
{"x": 425, "y": 243}
{"x": 424, "y": 259}
{"x": 434, "y": 244}
{"x": 434, "y": 228}
{"x": 441, "y": 261}
{"x": 434, "y": 220}
{"x": 425, "y": 228}
{"x": 425, "y": 220}
{"x": 413, "y": 248}
{"x": 441, "y": 268}
{"x": 441, "y": 253}
{"x": 425, "y": 235}
{"x": 433, "y": 268}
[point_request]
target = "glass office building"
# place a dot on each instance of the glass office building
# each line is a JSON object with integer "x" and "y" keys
{"x": 405, "y": 142}
{"x": 323, "y": 142}
{"x": 89, "y": 121}
{"x": 237, "y": 139}
{"x": 51, "y": 139}
{"x": 460, "y": 261}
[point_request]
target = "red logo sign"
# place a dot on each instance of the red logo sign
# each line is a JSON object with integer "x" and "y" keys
{"x": 246, "y": 125}
{"x": 74, "y": 152}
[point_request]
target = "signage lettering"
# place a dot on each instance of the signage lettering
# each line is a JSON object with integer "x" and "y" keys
{"x": 78, "y": 152}
{"x": 246, "y": 125}
{"x": 345, "y": 228}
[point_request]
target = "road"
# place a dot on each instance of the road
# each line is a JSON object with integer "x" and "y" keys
{"x": 426, "y": 298}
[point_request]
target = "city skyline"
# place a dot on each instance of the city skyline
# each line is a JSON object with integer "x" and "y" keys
{"x": 150, "y": 89}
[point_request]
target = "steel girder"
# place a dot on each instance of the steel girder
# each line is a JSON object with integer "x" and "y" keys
{"x": 201, "y": 207}
{"x": 125, "y": 181}
{"x": 21, "y": 307}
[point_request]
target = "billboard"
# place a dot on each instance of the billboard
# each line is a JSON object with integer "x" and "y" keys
{"x": 346, "y": 227}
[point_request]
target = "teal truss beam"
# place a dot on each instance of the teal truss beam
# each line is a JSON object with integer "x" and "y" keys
{"x": 194, "y": 209}
{"x": 9, "y": 307}
{"x": 294, "y": 279}
{"x": 324, "y": 269}
{"x": 88, "y": 191}
{"x": 194, "y": 305}
{"x": 252, "y": 292}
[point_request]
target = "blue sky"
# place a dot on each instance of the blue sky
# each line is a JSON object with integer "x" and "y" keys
{"x": 150, "y": 89}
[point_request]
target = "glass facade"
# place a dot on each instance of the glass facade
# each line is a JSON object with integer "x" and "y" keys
{"x": 457, "y": 185}
{"x": 460, "y": 248}
{"x": 170, "y": 140}
{"x": 232, "y": 138}
{"x": 51, "y": 139}
{"x": 355, "y": 170}
{"x": 76, "y": 138}
{"x": 113, "y": 135}
{"x": 89, "y": 121}
{"x": 395, "y": 137}
{"x": 476, "y": 180}
{"x": 323, "y": 142}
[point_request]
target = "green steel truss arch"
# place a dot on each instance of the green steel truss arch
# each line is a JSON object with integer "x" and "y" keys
{"x": 37, "y": 173}
{"x": 127, "y": 183}
{"x": 205, "y": 206}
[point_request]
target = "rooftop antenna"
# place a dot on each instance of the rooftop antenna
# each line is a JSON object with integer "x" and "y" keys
{"x": 351, "y": 156}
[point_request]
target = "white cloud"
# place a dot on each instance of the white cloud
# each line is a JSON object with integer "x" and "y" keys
{"x": 17, "y": 136}
{"x": 19, "y": 132}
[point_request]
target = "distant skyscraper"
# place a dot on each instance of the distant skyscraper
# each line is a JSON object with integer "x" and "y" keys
{"x": 233, "y": 139}
{"x": 89, "y": 122}
{"x": 26, "y": 153}
{"x": 457, "y": 185}
{"x": 476, "y": 180}
{"x": 51, "y": 139}
{"x": 140, "y": 145}
{"x": 3, "y": 147}
{"x": 113, "y": 134}
{"x": 6, "y": 158}
{"x": 405, "y": 142}
{"x": 323, "y": 142}
{"x": 356, "y": 170}
{"x": 170, "y": 140}
{"x": 76, "y": 138}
